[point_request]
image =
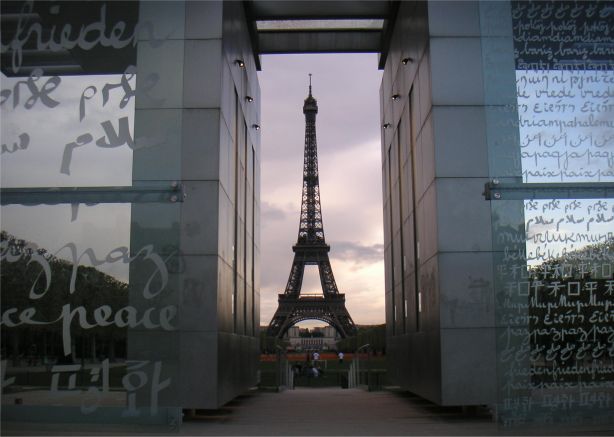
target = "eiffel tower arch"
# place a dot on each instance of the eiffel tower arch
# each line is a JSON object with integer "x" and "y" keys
{"x": 311, "y": 249}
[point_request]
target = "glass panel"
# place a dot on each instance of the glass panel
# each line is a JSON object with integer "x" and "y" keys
{"x": 566, "y": 125}
{"x": 555, "y": 311}
{"x": 70, "y": 89}
{"x": 72, "y": 138}
{"x": 91, "y": 97}
{"x": 548, "y": 73}
{"x": 89, "y": 315}
{"x": 560, "y": 111}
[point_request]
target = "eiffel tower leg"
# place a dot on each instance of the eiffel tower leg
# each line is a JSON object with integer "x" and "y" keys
{"x": 327, "y": 279}
{"x": 344, "y": 320}
{"x": 278, "y": 325}
{"x": 295, "y": 280}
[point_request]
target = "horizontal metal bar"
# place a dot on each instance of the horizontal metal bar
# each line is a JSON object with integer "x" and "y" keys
{"x": 150, "y": 193}
{"x": 318, "y": 10}
{"x": 352, "y": 41}
{"x": 494, "y": 190}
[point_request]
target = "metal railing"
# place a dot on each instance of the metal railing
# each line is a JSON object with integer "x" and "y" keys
{"x": 150, "y": 192}
{"x": 354, "y": 375}
{"x": 285, "y": 375}
{"x": 514, "y": 190}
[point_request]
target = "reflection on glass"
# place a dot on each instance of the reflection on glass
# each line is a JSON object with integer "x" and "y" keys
{"x": 566, "y": 125}
{"x": 46, "y": 353}
{"x": 555, "y": 257}
{"x": 556, "y": 316}
{"x": 557, "y": 228}
{"x": 88, "y": 290}
{"x": 100, "y": 228}
{"x": 565, "y": 84}
{"x": 81, "y": 135}
{"x": 86, "y": 316}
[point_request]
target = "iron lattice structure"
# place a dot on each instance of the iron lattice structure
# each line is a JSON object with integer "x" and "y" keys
{"x": 311, "y": 249}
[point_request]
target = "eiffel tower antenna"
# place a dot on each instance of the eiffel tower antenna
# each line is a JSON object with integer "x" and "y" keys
{"x": 311, "y": 249}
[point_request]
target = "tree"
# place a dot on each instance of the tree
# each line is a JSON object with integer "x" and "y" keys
{"x": 374, "y": 335}
{"x": 25, "y": 284}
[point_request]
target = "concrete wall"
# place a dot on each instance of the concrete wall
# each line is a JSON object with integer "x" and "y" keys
{"x": 437, "y": 224}
{"x": 199, "y": 105}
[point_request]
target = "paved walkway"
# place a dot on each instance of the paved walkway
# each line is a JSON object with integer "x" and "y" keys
{"x": 334, "y": 411}
{"x": 318, "y": 411}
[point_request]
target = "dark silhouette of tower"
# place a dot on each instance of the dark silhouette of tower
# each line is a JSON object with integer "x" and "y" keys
{"x": 311, "y": 248}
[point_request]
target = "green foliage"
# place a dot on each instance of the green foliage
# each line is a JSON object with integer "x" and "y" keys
{"x": 374, "y": 335}
{"x": 601, "y": 253}
{"x": 269, "y": 345}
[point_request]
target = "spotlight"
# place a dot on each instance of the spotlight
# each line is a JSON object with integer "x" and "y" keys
{"x": 240, "y": 63}
{"x": 386, "y": 125}
{"x": 396, "y": 97}
{"x": 249, "y": 98}
{"x": 406, "y": 61}
{"x": 256, "y": 126}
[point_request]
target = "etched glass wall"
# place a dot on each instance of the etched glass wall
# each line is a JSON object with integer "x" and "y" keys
{"x": 90, "y": 211}
{"x": 549, "y": 87}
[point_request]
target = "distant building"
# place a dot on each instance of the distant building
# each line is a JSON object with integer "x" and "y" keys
{"x": 318, "y": 338}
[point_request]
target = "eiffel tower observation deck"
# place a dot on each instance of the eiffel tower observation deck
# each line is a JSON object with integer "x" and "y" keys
{"x": 311, "y": 249}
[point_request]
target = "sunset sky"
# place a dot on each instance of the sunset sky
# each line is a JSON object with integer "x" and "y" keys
{"x": 347, "y": 90}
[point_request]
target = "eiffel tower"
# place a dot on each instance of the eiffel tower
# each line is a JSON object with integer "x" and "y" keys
{"x": 311, "y": 249}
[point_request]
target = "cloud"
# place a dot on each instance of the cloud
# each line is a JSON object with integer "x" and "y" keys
{"x": 269, "y": 212}
{"x": 346, "y": 88}
{"x": 357, "y": 252}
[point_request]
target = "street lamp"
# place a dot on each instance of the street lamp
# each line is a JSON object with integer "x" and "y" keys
{"x": 358, "y": 362}
{"x": 279, "y": 377}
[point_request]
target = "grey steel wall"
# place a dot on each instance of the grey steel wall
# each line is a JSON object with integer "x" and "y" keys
{"x": 238, "y": 274}
{"x": 203, "y": 101}
{"x": 439, "y": 293}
